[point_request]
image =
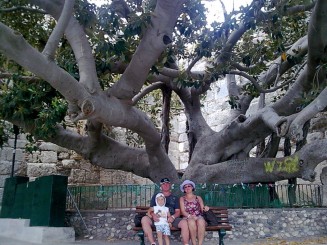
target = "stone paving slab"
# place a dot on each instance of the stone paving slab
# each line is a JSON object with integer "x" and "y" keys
{"x": 270, "y": 241}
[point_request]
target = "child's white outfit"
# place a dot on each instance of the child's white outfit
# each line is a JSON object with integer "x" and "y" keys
{"x": 162, "y": 225}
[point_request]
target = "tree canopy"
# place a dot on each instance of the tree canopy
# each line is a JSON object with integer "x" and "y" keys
{"x": 72, "y": 58}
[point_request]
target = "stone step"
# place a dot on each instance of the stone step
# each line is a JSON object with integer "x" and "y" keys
{"x": 12, "y": 227}
{"x": 20, "y": 229}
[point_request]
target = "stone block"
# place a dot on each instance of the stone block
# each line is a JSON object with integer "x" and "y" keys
{"x": 20, "y": 155}
{"x": 84, "y": 165}
{"x": 92, "y": 177}
{"x": 49, "y": 157}
{"x": 20, "y": 168}
{"x": 33, "y": 157}
{"x": 183, "y": 157}
{"x": 174, "y": 126}
{"x": 46, "y": 146}
{"x": 63, "y": 155}
{"x": 218, "y": 118}
{"x": 181, "y": 127}
{"x": 173, "y": 146}
{"x": 140, "y": 181}
{"x": 181, "y": 118}
{"x": 69, "y": 163}
{"x": 38, "y": 169}
{"x": 183, "y": 165}
{"x": 174, "y": 159}
{"x": 22, "y": 137}
{"x": 212, "y": 107}
{"x": 6, "y": 154}
{"x": 76, "y": 156}
{"x": 174, "y": 136}
{"x": 121, "y": 177}
{"x": 19, "y": 143}
{"x": 182, "y": 137}
{"x": 183, "y": 147}
{"x": 5, "y": 167}
{"x": 77, "y": 176}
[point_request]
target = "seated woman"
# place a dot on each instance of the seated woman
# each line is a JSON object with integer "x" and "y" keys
{"x": 192, "y": 207}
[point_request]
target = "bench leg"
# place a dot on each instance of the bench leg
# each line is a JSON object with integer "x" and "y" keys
{"x": 140, "y": 234}
{"x": 222, "y": 233}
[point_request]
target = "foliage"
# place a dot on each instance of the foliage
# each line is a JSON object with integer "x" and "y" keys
{"x": 34, "y": 103}
{"x": 34, "y": 27}
{"x": 4, "y": 136}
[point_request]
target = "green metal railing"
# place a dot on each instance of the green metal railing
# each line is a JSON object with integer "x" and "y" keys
{"x": 109, "y": 197}
{"x": 231, "y": 196}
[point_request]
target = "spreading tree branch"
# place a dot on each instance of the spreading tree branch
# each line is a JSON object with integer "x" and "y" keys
{"x": 146, "y": 91}
{"x": 153, "y": 43}
{"x": 317, "y": 105}
{"x": 54, "y": 39}
{"x": 33, "y": 10}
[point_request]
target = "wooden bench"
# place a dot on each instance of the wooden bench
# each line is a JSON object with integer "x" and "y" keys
{"x": 220, "y": 212}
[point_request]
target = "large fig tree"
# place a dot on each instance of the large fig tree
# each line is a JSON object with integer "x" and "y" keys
{"x": 71, "y": 58}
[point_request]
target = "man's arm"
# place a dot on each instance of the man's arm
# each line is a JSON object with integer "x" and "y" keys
{"x": 177, "y": 213}
{"x": 171, "y": 218}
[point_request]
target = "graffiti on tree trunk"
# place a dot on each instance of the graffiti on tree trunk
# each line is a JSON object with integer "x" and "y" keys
{"x": 289, "y": 165}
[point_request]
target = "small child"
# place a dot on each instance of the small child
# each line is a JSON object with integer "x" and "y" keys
{"x": 162, "y": 212}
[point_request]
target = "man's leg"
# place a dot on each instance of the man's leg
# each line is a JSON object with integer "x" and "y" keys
{"x": 146, "y": 226}
{"x": 182, "y": 224}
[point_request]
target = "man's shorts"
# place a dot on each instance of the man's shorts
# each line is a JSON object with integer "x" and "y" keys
{"x": 164, "y": 229}
{"x": 176, "y": 222}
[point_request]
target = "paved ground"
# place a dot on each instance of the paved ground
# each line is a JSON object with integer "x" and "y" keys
{"x": 300, "y": 241}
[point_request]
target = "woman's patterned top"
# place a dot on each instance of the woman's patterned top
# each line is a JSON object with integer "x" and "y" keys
{"x": 193, "y": 207}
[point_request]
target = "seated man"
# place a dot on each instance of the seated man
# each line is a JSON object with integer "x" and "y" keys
{"x": 172, "y": 202}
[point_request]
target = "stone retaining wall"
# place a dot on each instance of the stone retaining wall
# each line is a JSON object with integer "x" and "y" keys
{"x": 247, "y": 224}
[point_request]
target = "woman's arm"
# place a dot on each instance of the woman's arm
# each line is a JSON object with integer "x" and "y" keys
{"x": 203, "y": 208}
{"x": 182, "y": 207}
